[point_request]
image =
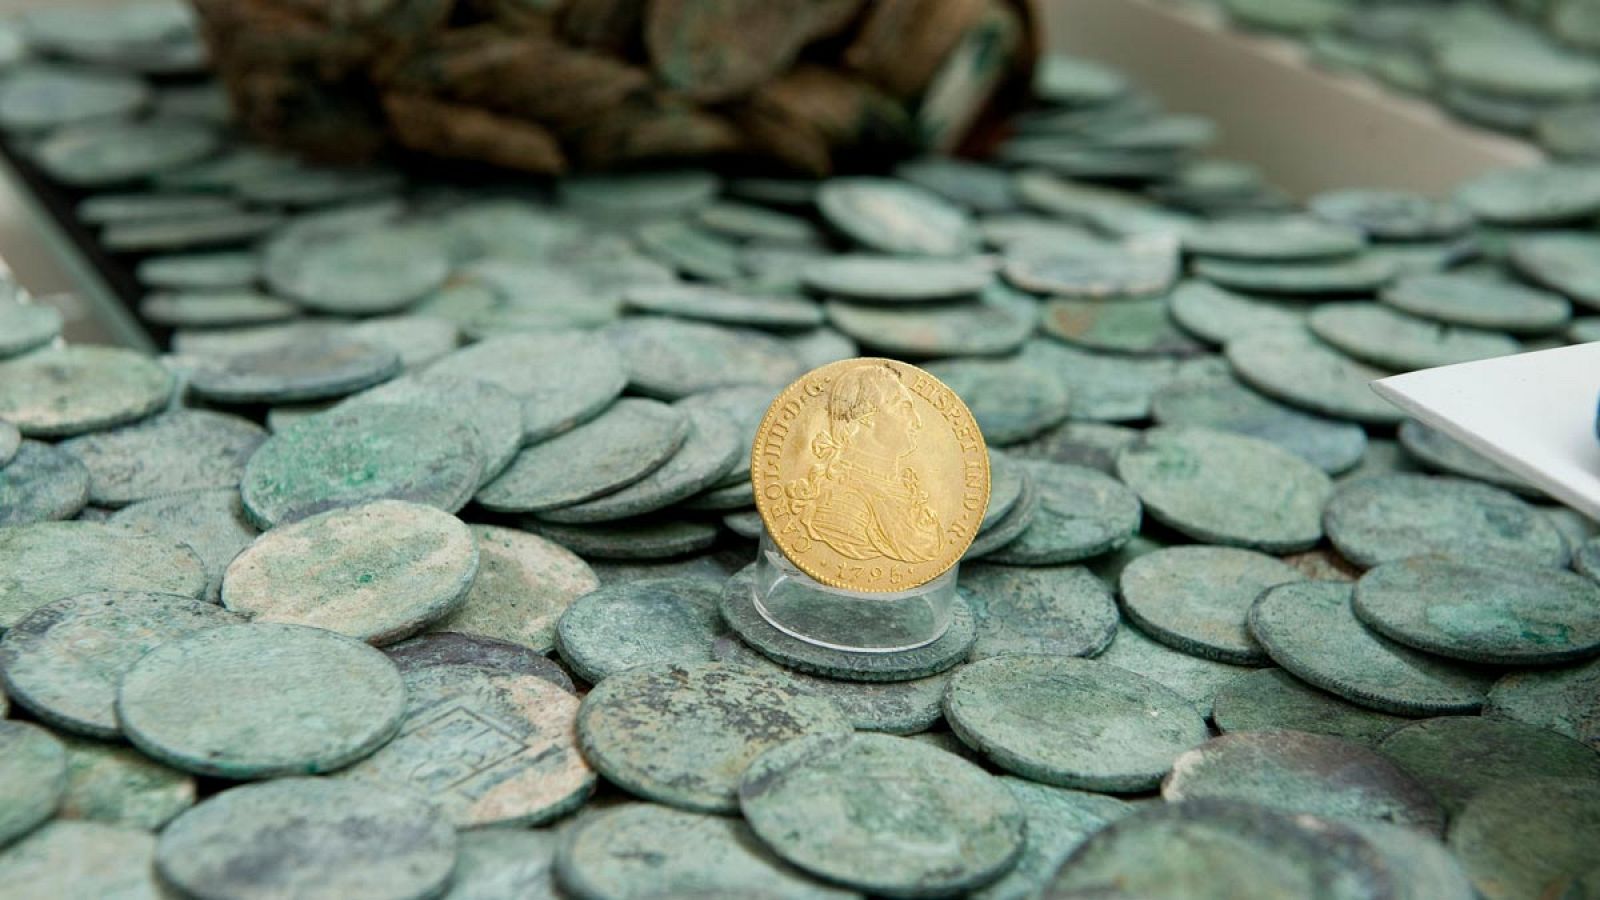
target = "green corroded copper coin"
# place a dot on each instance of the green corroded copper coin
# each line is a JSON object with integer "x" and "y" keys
{"x": 357, "y": 272}
{"x": 1303, "y": 773}
{"x": 640, "y": 623}
{"x": 1225, "y": 488}
{"x": 1138, "y": 268}
{"x": 1309, "y": 629}
{"x": 1528, "y": 837}
{"x": 749, "y": 222}
{"x": 309, "y": 837}
{"x": 1073, "y": 81}
{"x": 117, "y": 785}
{"x": 897, "y": 279}
{"x": 1483, "y": 612}
{"x": 346, "y": 457}
{"x": 1390, "y": 215}
{"x": 712, "y": 304}
{"x": 1071, "y": 722}
{"x": 1385, "y": 337}
{"x": 1306, "y": 373}
{"x": 10, "y": 442}
{"x": 999, "y": 321}
{"x": 83, "y": 859}
{"x": 1219, "y": 850}
{"x": 1561, "y": 261}
{"x": 672, "y": 358}
{"x": 1565, "y": 700}
{"x": 319, "y": 368}
{"x": 493, "y": 863}
{"x": 1094, "y": 445}
{"x": 70, "y": 390}
{"x": 812, "y": 801}
{"x": 215, "y": 308}
{"x": 212, "y": 523}
{"x": 1197, "y": 599}
{"x": 1354, "y": 275}
{"x": 176, "y": 451}
{"x": 64, "y": 660}
{"x": 562, "y": 377}
{"x": 1331, "y": 446}
{"x": 447, "y": 648}
{"x": 1011, "y": 400}
{"x": 645, "y": 538}
{"x": 976, "y": 186}
{"x": 377, "y": 572}
{"x": 640, "y": 194}
{"x": 642, "y": 847}
{"x": 683, "y": 735}
{"x": 1196, "y": 678}
{"x": 47, "y": 561}
{"x": 1062, "y": 610}
{"x": 1274, "y": 700}
{"x": 41, "y": 483}
{"x": 1478, "y": 301}
{"x": 39, "y": 98}
{"x": 493, "y": 415}
{"x": 623, "y": 445}
{"x": 260, "y": 701}
{"x": 1218, "y": 316}
{"x": 1289, "y": 238}
{"x": 168, "y": 236}
{"x": 211, "y": 271}
{"x": 524, "y": 584}
{"x": 1391, "y": 517}
{"x": 1456, "y": 757}
{"x": 893, "y": 707}
{"x": 1441, "y": 452}
{"x": 823, "y": 616}
{"x": 744, "y": 406}
{"x": 1081, "y": 513}
{"x": 1006, "y": 480}
{"x": 711, "y": 449}
{"x": 1586, "y": 558}
{"x": 33, "y": 776}
{"x": 1420, "y": 864}
{"x": 26, "y": 326}
{"x": 507, "y": 738}
{"x": 1103, "y": 387}
{"x": 419, "y": 340}
{"x": 1537, "y": 195}
{"x": 99, "y": 154}
{"x": 892, "y": 216}
{"x": 1141, "y": 325}
{"x": 1059, "y": 821}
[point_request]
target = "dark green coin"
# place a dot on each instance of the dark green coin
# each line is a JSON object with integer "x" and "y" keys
{"x": 39, "y": 97}
{"x": 65, "y": 391}
{"x": 1331, "y": 446}
{"x": 495, "y": 863}
{"x": 1390, "y": 215}
{"x": 1309, "y": 628}
{"x": 1197, "y": 599}
{"x": 309, "y": 837}
{"x": 1274, "y": 239}
{"x": 215, "y": 308}
{"x": 1082, "y": 513}
{"x": 524, "y": 584}
{"x": 1478, "y": 301}
{"x": 1443, "y": 453}
{"x": 1565, "y": 262}
{"x": 1062, "y": 610}
{"x": 1303, "y": 372}
{"x": 1006, "y": 479}
{"x": 448, "y": 648}
{"x": 1565, "y": 700}
{"x": 1456, "y": 757}
{"x": 892, "y": 216}
{"x": 345, "y": 457}
{"x": 41, "y": 483}
{"x": 181, "y": 450}
{"x": 1355, "y": 275}
{"x": 805, "y": 800}
{"x": 1483, "y": 612}
{"x": 1529, "y": 837}
{"x": 1059, "y": 821}
{"x": 683, "y": 735}
{"x": 641, "y": 847}
{"x": 997, "y": 322}
{"x": 64, "y": 660}
{"x": 1220, "y": 850}
{"x": 260, "y": 701}
{"x": 117, "y": 785}
{"x": 1219, "y": 316}
{"x": 1391, "y": 517}
{"x": 1224, "y": 488}
{"x": 645, "y": 539}
{"x": 562, "y": 377}
{"x": 996, "y": 535}
{"x": 1071, "y": 722}
{"x": 1094, "y": 445}
{"x": 1142, "y": 325}
{"x": 672, "y": 358}
{"x": 1395, "y": 340}
{"x": 493, "y": 415}
{"x": 727, "y": 307}
{"x": 1274, "y": 700}
{"x": 33, "y": 776}
{"x": 26, "y": 326}
{"x": 739, "y": 611}
{"x": 83, "y": 859}
{"x": 1011, "y": 400}
{"x": 1537, "y": 195}
{"x": 47, "y": 561}
{"x": 1196, "y": 678}
{"x": 212, "y": 523}
{"x": 1303, "y": 773}
{"x": 99, "y": 154}
{"x": 640, "y": 623}
{"x": 898, "y": 279}
{"x": 745, "y": 407}
{"x": 1103, "y": 387}
{"x": 295, "y": 372}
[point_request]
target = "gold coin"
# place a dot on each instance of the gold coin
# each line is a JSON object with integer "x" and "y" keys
{"x": 870, "y": 475}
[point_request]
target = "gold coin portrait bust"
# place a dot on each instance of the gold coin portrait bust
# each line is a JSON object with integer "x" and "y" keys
{"x": 870, "y": 475}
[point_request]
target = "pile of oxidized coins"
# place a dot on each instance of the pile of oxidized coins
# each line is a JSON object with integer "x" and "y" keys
{"x": 1522, "y": 66}
{"x": 414, "y": 567}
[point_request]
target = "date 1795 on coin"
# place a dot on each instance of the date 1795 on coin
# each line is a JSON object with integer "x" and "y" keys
{"x": 870, "y": 475}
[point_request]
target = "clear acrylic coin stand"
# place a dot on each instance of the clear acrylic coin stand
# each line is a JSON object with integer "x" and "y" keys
{"x": 800, "y": 606}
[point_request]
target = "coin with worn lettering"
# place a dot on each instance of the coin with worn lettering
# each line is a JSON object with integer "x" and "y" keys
{"x": 65, "y": 391}
{"x": 47, "y": 561}
{"x": 1274, "y": 700}
{"x": 41, "y": 483}
{"x": 33, "y": 776}
{"x": 870, "y": 475}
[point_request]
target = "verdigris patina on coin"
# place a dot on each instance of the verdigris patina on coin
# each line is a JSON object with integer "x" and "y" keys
{"x": 870, "y": 475}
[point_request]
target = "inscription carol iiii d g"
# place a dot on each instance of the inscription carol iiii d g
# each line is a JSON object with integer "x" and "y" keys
{"x": 870, "y": 475}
